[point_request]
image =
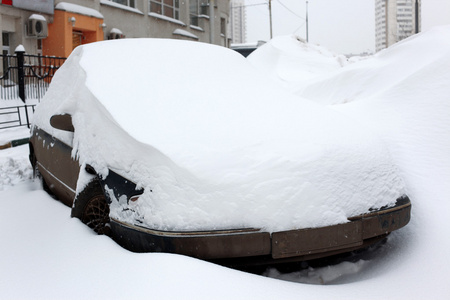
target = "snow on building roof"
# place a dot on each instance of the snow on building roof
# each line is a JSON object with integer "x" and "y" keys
{"x": 78, "y": 9}
{"x": 185, "y": 33}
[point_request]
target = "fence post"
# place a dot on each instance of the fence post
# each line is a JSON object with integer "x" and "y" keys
{"x": 20, "y": 51}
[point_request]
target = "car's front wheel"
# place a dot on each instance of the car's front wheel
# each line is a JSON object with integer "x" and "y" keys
{"x": 96, "y": 215}
{"x": 92, "y": 208}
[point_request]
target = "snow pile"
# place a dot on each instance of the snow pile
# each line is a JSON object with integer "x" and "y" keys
{"x": 405, "y": 67}
{"x": 215, "y": 145}
{"x": 290, "y": 59}
{"x": 323, "y": 275}
{"x": 15, "y": 168}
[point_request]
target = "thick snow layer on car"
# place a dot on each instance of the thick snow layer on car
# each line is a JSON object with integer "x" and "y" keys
{"x": 214, "y": 143}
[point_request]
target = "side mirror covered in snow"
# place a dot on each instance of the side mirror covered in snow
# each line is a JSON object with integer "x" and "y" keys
{"x": 62, "y": 122}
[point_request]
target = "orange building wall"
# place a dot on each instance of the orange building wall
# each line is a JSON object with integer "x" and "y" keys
{"x": 59, "y": 40}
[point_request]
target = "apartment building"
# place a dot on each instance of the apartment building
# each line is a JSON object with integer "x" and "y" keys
{"x": 238, "y": 30}
{"x": 54, "y": 27}
{"x": 396, "y": 20}
{"x": 21, "y": 22}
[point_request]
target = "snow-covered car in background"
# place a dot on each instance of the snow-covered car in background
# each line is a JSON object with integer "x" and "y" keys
{"x": 182, "y": 147}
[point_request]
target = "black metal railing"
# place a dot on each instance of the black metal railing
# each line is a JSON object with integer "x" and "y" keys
{"x": 25, "y": 77}
{"x": 8, "y": 80}
{"x": 16, "y": 116}
{"x": 38, "y": 73}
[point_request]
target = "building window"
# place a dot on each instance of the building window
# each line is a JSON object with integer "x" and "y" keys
{"x": 198, "y": 8}
{"x": 5, "y": 51}
{"x": 223, "y": 26}
{"x": 130, "y": 3}
{"x": 168, "y": 8}
{"x": 5, "y": 47}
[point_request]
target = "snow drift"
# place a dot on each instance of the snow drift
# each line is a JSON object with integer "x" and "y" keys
{"x": 422, "y": 59}
{"x": 289, "y": 60}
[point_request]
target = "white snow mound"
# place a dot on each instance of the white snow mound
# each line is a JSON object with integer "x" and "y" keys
{"x": 289, "y": 59}
{"x": 422, "y": 58}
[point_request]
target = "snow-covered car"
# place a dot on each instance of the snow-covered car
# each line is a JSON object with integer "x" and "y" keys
{"x": 183, "y": 147}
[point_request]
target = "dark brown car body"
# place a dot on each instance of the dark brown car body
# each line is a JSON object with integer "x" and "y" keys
{"x": 53, "y": 160}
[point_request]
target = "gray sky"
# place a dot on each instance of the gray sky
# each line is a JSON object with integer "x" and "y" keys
{"x": 343, "y": 26}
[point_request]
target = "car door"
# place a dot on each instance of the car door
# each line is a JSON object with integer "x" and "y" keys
{"x": 55, "y": 163}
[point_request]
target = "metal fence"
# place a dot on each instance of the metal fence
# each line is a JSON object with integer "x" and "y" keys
{"x": 25, "y": 77}
{"x": 33, "y": 73}
{"x": 16, "y": 116}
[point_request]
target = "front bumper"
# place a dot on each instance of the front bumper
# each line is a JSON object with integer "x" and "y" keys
{"x": 298, "y": 245}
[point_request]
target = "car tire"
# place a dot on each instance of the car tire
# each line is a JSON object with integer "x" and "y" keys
{"x": 92, "y": 209}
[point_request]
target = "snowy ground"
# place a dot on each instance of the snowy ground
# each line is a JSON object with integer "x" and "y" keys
{"x": 47, "y": 255}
